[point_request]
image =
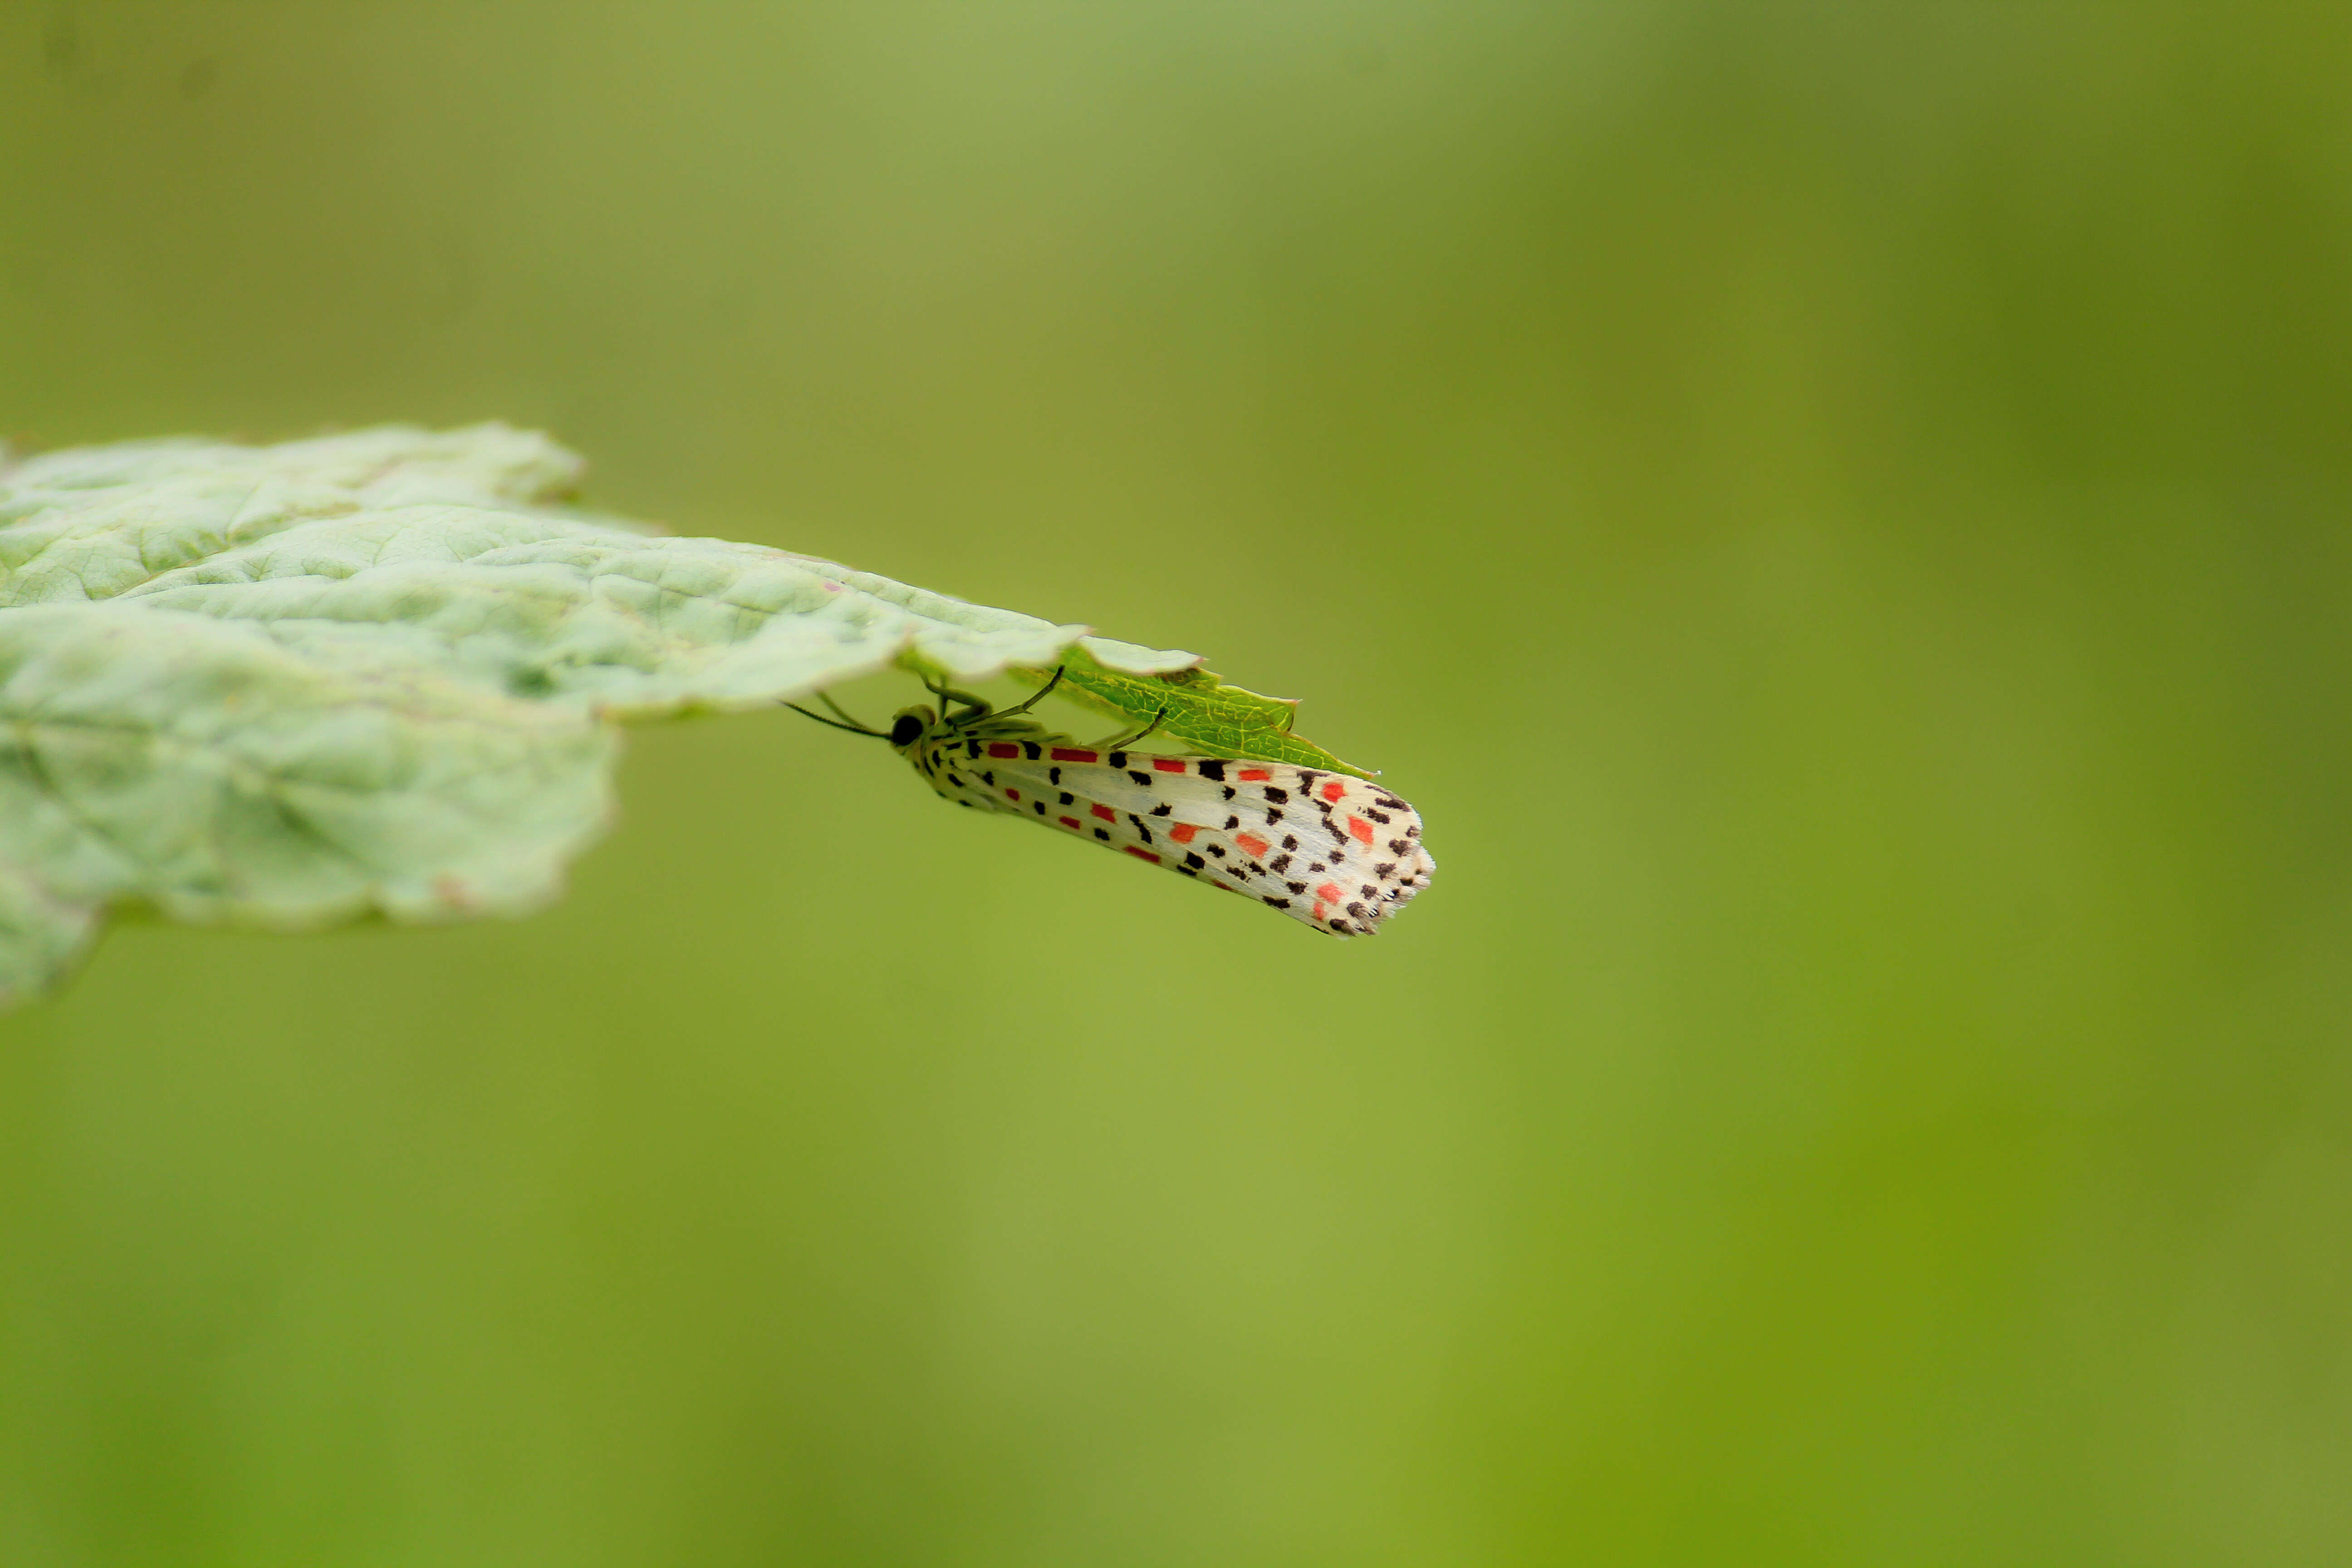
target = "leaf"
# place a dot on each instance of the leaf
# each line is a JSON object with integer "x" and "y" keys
{"x": 377, "y": 674}
{"x": 1195, "y": 704}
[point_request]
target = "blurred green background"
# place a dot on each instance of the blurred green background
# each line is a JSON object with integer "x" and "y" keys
{"x": 1835, "y": 512}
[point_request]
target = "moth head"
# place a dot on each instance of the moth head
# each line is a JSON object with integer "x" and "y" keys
{"x": 910, "y": 726}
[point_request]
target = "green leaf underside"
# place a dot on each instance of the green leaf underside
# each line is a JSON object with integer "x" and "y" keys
{"x": 1218, "y": 720}
{"x": 378, "y": 674}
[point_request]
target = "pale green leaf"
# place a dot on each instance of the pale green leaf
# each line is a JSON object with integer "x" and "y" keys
{"x": 376, "y": 674}
{"x": 1194, "y": 705}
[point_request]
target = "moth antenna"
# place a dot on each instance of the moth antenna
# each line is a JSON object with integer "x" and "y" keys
{"x": 841, "y": 712}
{"x": 853, "y": 728}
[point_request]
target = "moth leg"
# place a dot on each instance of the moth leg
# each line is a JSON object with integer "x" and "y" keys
{"x": 1043, "y": 692}
{"x": 980, "y": 706}
{"x": 1123, "y": 742}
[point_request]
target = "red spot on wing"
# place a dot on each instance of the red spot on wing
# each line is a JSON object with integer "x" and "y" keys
{"x": 1070, "y": 822}
{"x": 1335, "y": 790}
{"x": 1253, "y": 775}
{"x": 1106, "y": 813}
{"x": 1167, "y": 764}
{"x": 1004, "y": 749}
{"x": 1012, "y": 794}
{"x": 1142, "y": 854}
{"x": 1252, "y": 844}
{"x": 1328, "y": 894}
{"x": 1360, "y": 829}
{"x": 1182, "y": 832}
{"x": 1072, "y": 754}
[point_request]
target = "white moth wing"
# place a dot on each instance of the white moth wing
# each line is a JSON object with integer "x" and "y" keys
{"x": 1333, "y": 852}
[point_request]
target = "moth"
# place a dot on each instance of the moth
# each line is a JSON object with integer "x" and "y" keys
{"x": 1334, "y": 851}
